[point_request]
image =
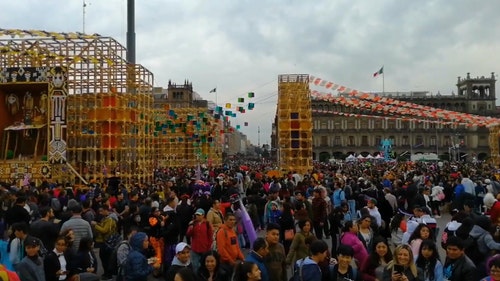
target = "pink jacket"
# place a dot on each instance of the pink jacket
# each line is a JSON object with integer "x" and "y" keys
{"x": 360, "y": 252}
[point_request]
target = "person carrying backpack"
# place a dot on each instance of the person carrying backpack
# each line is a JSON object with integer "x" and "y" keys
{"x": 307, "y": 269}
{"x": 343, "y": 270}
{"x": 338, "y": 195}
{"x": 119, "y": 256}
{"x": 480, "y": 244}
{"x": 138, "y": 266}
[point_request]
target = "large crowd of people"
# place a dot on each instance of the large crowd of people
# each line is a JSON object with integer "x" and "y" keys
{"x": 199, "y": 223}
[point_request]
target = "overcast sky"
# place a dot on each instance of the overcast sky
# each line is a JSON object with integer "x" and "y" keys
{"x": 241, "y": 46}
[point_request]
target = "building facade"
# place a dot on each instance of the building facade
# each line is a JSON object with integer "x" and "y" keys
{"x": 336, "y": 136}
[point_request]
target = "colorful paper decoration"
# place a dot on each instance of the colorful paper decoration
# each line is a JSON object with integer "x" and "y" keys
{"x": 387, "y": 105}
{"x": 246, "y": 123}
{"x": 251, "y": 94}
{"x": 251, "y": 105}
{"x": 228, "y": 105}
{"x": 241, "y": 99}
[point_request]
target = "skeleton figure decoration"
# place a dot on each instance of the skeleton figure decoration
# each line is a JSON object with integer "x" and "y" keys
{"x": 43, "y": 103}
{"x": 12, "y": 102}
{"x": 58, "y": 80}
{"x": 28, "y": 105}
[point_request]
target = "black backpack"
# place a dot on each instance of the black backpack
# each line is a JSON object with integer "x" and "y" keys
{"x": 114, "y": 267}
{"x": 348, "y": 192}
{"x": 472, "y": 250}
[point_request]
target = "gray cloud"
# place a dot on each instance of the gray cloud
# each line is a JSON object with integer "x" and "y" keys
{"x": 241, "y": 46}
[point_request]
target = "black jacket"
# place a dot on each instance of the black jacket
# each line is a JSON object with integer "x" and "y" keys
{"x": 463, "y": 269}
{"x": 83, "y": 261}
{"x": 52, "y": 265}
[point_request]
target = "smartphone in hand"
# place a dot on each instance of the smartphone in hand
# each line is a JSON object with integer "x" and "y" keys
{"x": 398, "y": 268}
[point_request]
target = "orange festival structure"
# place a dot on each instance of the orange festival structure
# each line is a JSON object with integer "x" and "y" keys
{"x": 74, "y": 110}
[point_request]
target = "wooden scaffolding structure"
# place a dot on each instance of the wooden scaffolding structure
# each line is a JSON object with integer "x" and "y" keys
{"x": 294, "y": 123}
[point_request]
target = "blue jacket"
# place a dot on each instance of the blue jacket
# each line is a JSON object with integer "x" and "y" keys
{"x": 259, "y": 261}
{"x": 137, "y": 267}
{"x": 310, "y": 270}
{"x": 338, "y": 196}
{"x": 459, "y": 190}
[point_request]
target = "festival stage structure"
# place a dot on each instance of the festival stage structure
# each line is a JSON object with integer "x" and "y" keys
{"x": 76, "y": 110}
{"x": 294, "y": 123}
{"x": 73, "y": 107}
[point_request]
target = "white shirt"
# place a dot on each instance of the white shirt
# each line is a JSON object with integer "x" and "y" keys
{"x": 469, "y": 186}
{"x": 376, "y": 214}
{"x": 62, "y": 261}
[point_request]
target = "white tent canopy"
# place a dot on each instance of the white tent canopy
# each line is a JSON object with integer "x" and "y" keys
{"x": 350, "y": 158}
{"x": 425, "y": 157}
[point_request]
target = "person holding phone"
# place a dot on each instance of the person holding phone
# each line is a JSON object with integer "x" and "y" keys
{"x": 56, "y": 262}
{"x": 402, "y": 267}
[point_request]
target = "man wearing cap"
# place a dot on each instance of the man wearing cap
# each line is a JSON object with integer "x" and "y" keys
{"x": 31, "y": 266}
{"x": 201, "y": 235}
{"x": 181, "y": 260}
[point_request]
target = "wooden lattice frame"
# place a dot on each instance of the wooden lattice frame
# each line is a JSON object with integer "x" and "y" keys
{"x": 95, "y": 66}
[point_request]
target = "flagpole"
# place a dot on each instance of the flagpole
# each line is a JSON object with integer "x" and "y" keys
{"x": 383, "y": 81}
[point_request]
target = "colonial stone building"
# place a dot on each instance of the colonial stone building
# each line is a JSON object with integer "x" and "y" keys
{"x": 336, "y": 136}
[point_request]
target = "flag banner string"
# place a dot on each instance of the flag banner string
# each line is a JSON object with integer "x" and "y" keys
{"x": 392, "y": 109}
{"x": 375, "y": 101}
{"x": 357, "y": 115}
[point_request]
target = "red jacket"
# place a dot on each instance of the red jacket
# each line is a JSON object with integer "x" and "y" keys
{"x": 201, "y": 236}
{"x": 495, "y": 211}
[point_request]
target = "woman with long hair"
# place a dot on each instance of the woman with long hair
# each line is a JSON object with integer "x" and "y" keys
{"x": 86, "y": 260}
{"x": 299, "y": 249}
{"x": 350, "y": 237}
{"x": 421, "y": 233}
{"x": 398, "y": 228}
{"x": 402, "y": 267}
{"x": 246, "y": 271}
{"x": 380, "y": 256}
{"x": 209, "y": 267}
{"x": 365, "y": 232}
{"x": 428, "y": 260}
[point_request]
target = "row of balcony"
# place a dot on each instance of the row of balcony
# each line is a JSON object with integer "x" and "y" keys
{"x": 405, "y": 146}
{"x": 429, "y": 131}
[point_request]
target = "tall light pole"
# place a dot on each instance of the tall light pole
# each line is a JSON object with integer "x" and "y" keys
{"x": 84, "y": 6}
{"x": 131, "y": 31}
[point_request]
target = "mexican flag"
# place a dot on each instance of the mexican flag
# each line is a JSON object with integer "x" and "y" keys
{"x": 380, "y": 71}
